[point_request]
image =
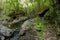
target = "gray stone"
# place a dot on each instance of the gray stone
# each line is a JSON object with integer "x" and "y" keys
{"x": 5, "y": 31}
{"x": 26, "y": 26}
{"x": 28, "y": 31}
{"x": 15, "y": 35}
{"x": 2, "y": 37}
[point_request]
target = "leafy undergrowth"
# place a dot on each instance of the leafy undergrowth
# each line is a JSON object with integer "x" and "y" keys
{"x": 40, "y": 26}
{"x": 58, "y": 31}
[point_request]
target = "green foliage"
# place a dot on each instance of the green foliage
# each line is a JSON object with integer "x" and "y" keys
{"x": 40, "y": 26}
{"x": 30, "y": 8}
{"x": 58, "y": 31}
{"x": 40, "y": 35}
{"x": 9, "y": 6}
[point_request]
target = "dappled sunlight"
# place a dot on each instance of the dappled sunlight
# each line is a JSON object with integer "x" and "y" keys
{"x": 25, "y": 5}
{"x": 30, "y": 19}
{"x": 23, "y": 2}
{"x": 29, "y": 4}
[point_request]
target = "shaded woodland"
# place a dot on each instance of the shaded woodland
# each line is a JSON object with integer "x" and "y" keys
{"x": 29, "y": 19}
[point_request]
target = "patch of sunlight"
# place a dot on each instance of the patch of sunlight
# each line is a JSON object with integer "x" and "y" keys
{"x": 23, "y": 2}
{"x": 3, "y": 0}
{"x": 25, "y": 5}
{"x": 29, "y": 4}
{"x": 43, "y": 0}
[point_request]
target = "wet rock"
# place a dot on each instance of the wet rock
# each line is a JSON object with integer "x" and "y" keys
{"x": 5, "y": 32}
{"x": 15, "y": 35}
{"x": 2, "y": 37}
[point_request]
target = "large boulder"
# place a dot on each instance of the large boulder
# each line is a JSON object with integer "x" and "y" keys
{"x": 5, "y": 32}
{"x": 28, "y": 31}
